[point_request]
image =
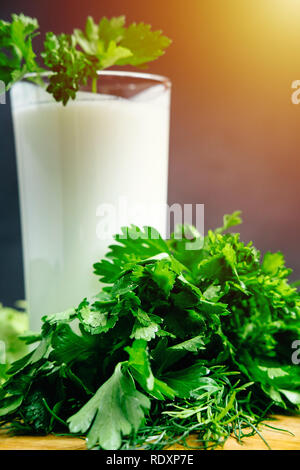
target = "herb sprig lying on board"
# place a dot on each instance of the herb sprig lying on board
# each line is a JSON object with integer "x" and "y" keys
{"x": 179, "y": 341}
{"x": 74, "y": 59}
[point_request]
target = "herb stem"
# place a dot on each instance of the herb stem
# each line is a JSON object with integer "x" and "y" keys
{"x": 94, "y": 84}
{"x": 258, "y": 433}
{"x": 53, "y": 414}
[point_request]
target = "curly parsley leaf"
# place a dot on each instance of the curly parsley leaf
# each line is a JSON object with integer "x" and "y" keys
{"x": 70, "y": 67}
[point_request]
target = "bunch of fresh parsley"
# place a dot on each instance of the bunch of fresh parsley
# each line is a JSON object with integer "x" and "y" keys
{"x": 179, "y": 341}
{"x": 72, "y": 60}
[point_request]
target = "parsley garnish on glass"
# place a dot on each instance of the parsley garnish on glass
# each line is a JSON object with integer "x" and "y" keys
{"x": 74, "y": 59}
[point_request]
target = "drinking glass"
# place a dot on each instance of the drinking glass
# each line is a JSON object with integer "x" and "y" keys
{"x": 85, "y": 170}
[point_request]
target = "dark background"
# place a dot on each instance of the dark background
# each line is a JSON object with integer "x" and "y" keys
{"x": 235, "y": 136}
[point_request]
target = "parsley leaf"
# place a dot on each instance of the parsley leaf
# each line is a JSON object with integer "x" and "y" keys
{"x": 100, "y": 42}
{"x": 116, "y": 409}
{"x": 145, "y": 45}
{"x": 16, "y": 54}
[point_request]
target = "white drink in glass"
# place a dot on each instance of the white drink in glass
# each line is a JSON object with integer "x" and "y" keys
{"x": 99, "y": 149}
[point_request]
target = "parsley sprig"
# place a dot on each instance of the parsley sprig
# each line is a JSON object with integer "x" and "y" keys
{"x": 16, "y": 54}
{"x": 178, "y": 342}
{"x": 74, "y": 59}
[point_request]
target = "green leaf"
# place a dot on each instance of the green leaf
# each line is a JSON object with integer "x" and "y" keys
{"x": 230, "y": 220}
{"x": 101, "y": 42}
{"x": 292, "y": 396}
{"x": 145, "y": 45}
{"x": 272, "y": 262}
{"x": 10, "y": 404}
{"x": 163, "y": 275}
{"x": 13, "y": 323}
{"x": 40, "y": 353}
{"x": 17, "y": 56}
{"x": 134, "y": 245}
{"x": 69, "y": 347}
{"x": 213, "y": 293}
{"x": 113, "y": 54}
{"x": 214, "y": 268}
{"x": 144, "y": 327}
{"x": 139, "y": 363}
{"x": 116, "y": 410}
{"x": 189, "y": 380}
{"x": 60, "y": 317}
{"x": 191, "y": 345}
{"x": 95, "y": 321}
{"x": 71, "y": 67}
{"x": 112, "y": 29}
{"x": 167, "y": 356}
{"x": 89, "y": 40}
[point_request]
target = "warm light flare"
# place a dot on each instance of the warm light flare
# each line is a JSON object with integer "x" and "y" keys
{"x": 283, "y": 13}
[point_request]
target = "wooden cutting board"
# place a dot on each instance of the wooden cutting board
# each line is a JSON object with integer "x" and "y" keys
{"x": 277, "y": 440}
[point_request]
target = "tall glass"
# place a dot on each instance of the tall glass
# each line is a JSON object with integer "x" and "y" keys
{"x": 85, "y": 170}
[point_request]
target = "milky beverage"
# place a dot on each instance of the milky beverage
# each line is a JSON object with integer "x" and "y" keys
{"x": 75, "y": 162}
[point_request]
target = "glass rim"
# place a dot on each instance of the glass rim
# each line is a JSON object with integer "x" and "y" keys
{"x": 115, "y": 73}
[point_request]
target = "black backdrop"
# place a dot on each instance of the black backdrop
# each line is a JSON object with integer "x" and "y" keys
{"x": 11, "y": 275}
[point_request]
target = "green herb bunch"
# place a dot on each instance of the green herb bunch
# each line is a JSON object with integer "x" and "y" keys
{"x": 179, "y": 341}
{"x": 74, "y": 59}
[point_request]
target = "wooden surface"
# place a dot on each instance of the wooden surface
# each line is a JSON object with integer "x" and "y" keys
{"x": 277, "y": 440}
